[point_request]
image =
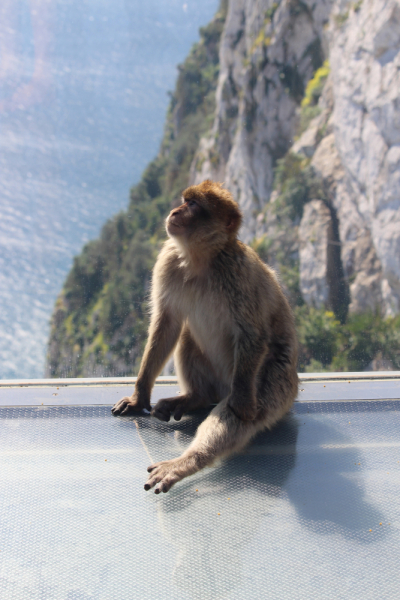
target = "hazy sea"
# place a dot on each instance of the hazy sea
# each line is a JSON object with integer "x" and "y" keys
{"x": 83, "y": 97}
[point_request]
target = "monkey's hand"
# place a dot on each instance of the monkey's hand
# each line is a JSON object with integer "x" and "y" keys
{"x": 243, "y": 409}
{"x": 130, "y": 405}
{"x": 164, "y": 474}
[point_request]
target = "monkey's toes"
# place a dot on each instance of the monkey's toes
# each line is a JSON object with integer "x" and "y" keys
{"x": 163, "y": 414}
{"x": 167, "y": 407}
{"x": 162, "y": 476}
{"x": 179, "y": 413}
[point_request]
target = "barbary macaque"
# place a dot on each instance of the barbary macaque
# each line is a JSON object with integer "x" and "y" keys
{"x": 222, "y": 310}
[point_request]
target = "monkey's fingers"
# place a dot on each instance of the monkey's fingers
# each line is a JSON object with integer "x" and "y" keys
{"x": 116, "y": 409}
{"x": 120, "y": 407}
{"x": 125, "y": 406}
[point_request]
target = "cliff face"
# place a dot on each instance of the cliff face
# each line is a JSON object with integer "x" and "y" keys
{"x": 365, "y": 61}
{"x": 295, "y": 106}
{"x": 268, "y": 54}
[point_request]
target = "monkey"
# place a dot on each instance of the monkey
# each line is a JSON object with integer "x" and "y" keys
{"x": 223, "y": 313}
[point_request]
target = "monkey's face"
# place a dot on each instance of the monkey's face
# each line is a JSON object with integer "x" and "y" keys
{"x": 187, "y": 218}
{"x": 206, "y": 220}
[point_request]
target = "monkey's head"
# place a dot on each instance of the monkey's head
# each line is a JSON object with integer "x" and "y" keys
{"x": 208, "y": 217}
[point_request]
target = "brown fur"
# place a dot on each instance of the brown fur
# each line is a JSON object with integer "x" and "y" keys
{"x": 224, "y": 313}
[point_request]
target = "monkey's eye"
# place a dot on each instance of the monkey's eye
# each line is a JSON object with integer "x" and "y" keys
{"x": 191, "y": 203}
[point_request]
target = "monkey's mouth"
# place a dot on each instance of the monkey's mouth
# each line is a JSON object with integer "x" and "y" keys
{"x": 173, "y": 226}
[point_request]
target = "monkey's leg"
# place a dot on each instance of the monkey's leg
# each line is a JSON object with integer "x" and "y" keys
{"x": 278, "y": 386}
{"x": 196, "y": 377}
{"x": 221, "y": 434}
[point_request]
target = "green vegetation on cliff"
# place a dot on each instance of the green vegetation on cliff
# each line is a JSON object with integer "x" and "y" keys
{"x": 327, "y": 345}
{"x": 100, "y": 319}
{"x": 309, "y": 104}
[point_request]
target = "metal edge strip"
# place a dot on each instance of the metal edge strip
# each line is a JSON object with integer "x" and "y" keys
{"x": 172, "y": 380}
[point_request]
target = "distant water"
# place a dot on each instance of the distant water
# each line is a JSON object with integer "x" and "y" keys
{"x": 83, "y": 97}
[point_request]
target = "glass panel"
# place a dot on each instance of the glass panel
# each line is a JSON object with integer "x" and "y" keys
{"x": 308, "y": 511}
{"x": 97, "y": 96}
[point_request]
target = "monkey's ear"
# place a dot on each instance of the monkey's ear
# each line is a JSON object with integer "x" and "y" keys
{"x": 233, "y": 222}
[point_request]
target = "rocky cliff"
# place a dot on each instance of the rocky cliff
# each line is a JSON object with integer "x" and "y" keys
{"x": 268, "y": 54}
{"x": 294, "y": 105}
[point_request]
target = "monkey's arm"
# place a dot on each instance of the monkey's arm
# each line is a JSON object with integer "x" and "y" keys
{"x": 163, "y": 335}
{"x": 250, "y": 350}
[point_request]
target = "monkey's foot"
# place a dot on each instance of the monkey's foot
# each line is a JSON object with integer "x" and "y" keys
{"x": 168, "y": 406}
{"x": 164, "y": 474}
{"x": 127, "y": 406}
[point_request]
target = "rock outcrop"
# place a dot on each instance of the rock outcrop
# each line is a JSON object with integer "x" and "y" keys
{"x": 316, "y": 238}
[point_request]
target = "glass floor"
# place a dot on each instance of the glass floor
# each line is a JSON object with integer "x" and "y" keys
{"x": 310, "y": 510}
